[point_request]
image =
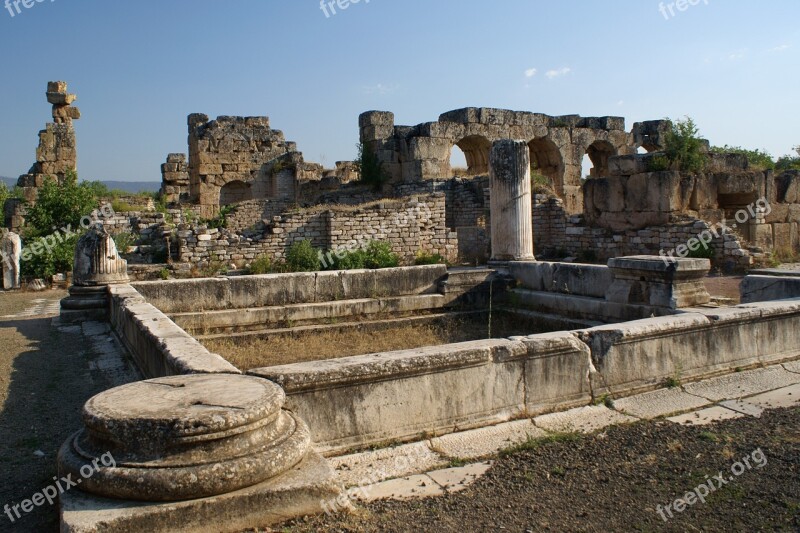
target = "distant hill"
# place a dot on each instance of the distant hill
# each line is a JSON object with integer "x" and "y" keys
{"x": 132, "y": 187}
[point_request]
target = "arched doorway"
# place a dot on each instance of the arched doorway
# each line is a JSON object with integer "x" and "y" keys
{"x": 547, "y": 165}
{"x": 475, "y": 151}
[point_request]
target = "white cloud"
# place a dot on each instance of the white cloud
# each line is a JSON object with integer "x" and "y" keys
{"x": 621, "y": 103}
{"x": 531, "y": 72}
{"x": 557, "y": 73}
{"x": 780, "y": 48}
{"x": 379, "y": 88}
{"x": 737, "y": 56}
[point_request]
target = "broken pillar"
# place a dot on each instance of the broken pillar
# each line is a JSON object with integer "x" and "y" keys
{"x": 97, "y": 265}
{"x": 203, "y": 452}
{"x": 511, "y": 209}
{"x": 10, "y": 253}
{"x": 658, "y": 281}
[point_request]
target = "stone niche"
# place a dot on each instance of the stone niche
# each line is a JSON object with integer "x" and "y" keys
{"x": 203, "y": 452}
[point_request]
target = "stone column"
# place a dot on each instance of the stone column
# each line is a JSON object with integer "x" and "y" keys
{"x": 511, "y": 209}
{"x": 10, "y": 252}
{"x": 97, "y": 265}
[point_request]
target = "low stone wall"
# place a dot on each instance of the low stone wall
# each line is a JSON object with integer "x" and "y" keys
{"x": 159, "y": 347}
{"x": 241, "y": 292}
{"x": 404, "y": 395}
{"x": 568, "y": 278}
{"x": 769, "y": 284}
{"x": 411, "y": 226}
{"x": 365, "y": 400}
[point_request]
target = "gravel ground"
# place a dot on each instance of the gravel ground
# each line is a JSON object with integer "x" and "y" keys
{"x": 44, "y": 382}
{"x": 614, "y": 481}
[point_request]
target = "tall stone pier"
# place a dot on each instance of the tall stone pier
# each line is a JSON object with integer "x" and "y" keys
{"x": 511, "y": 209}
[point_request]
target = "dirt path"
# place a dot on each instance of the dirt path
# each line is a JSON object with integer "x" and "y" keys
{"x": 615, "y": 481}
{"x": 45, "y": 378}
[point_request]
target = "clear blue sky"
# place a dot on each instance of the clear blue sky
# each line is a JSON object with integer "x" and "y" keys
{"x": 140, "y": 67}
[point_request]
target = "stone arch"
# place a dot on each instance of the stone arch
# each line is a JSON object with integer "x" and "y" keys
{"x": 476, "y": 151}
{"x": 599, "y": 152}
{"x": 546, "y": 159}
{"x": 234, "y": 192}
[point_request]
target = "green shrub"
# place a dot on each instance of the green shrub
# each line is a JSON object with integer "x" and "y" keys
{"x": 260, "y": 265}
{"x": 379, "y": 255}
{"x": 221, "y": 220}
{"x": 658, "y": 163}
{"x": 370, "y": 167}
{"x": 789, "y": 162}
{"x": 704, "y": 251}
{"x": 425, "y": 258}
{"x": 348, "y": 260}
{"x": 758, "y": 159}
{"x": 301, "y": 257}
{"x": 684, "y": 147}
{"x": 164, "y": 273}
{"x": 124, "y": 241}
{"x": 40, "y": 261}
{"x": 59, "y": 205}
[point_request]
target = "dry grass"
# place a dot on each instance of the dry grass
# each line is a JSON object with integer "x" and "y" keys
{"x": 257, "y": 351}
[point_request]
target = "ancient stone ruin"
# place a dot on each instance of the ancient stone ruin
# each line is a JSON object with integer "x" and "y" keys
{"x": 55, "y": 156}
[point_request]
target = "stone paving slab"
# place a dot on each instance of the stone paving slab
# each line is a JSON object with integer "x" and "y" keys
{"x": 660, "y": 402}
{"x": 420, "y": 486}
{"x": 483, "y": 442}
{"x": 706, "y": 416}
{"x": 457, "y": 479}
{"x": 742, "y": 406}
{"x": 371, "y": 467}
{"x": 582, "y": 419}
{"x": 785, "y": 397}
{"x": 793, "y": 366}
{"x": 741, "y": 384}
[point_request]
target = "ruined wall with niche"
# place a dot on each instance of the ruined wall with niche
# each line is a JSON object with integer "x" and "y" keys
{"x": 557, "y": 144}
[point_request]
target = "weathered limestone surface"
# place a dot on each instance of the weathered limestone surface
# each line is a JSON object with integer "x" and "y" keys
{"x": 650, "y": 280}
{"x": 190, "y": 439}
{"x": 764, "y": 285}
{"x": 568, "y": 278}
{"x": 10, "y": 253}
{"x": 510, "y": 175}
{"x": 159, "y": 347}
{"x": 97, "y": 261}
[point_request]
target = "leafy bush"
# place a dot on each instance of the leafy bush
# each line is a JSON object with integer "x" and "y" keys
{"x": 379, "y": 255}
{"x": 5, "y": 194}
{"x": 261, "y": 265}
{"x": 370, "y": 167}
{"x": 124, "y": 241}
{"x": 658, "y": 163}
{"x": 704, "y": 251}
{"x": 43, "y": 258}
{"x": 683, "y": 147}
{"x": 425, "y": 258}
{"x": 758, "y": 159}
{"x": 301, "y": 257}
{"x": 789, "y": 162}
{"x": 59, "y": 205}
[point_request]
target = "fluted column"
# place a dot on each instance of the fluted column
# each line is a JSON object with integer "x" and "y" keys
{"x": 511, "y": 209}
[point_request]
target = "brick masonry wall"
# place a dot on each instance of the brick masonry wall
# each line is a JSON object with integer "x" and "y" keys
{"x": 410, "y": 225}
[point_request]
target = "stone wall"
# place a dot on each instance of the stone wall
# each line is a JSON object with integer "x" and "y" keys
{"x": 236, "y": 158}
{"x": 409, "y": 225}
{"x": 175, "y": 179}
{"x": 557, "y": 144}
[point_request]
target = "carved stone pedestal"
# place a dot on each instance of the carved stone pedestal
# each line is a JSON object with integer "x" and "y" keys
{"x": 212, "y": 452}
{"x": 97, "y": 265}
{"x": 650, "y": 280}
